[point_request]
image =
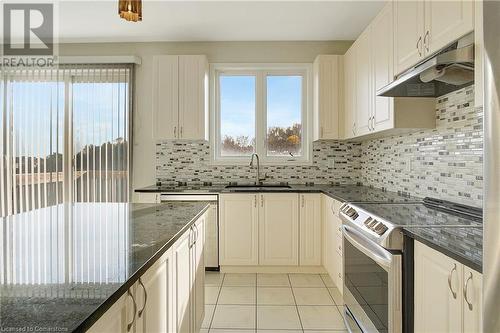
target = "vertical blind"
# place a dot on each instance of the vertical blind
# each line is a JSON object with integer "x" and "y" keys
{"x": 65, "y": 135}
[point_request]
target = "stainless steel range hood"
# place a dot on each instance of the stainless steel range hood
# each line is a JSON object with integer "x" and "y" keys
{"x": 447, "y": 71}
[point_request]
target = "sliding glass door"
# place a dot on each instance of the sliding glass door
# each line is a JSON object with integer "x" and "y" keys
{"x": 64, "y": 136}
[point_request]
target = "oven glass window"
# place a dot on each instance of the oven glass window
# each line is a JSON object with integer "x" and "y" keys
{"x": 367, "y": 282}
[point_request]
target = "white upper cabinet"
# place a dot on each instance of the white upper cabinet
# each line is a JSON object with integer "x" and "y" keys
{"x": 408, "y": 28}
{"x": 446, "y": 21}
{"x": 165, "y": 97}
{"x": 180, "y": 93}
{"x": 423, "y": 27}
{"x": 364, "y": 89}
{"x": 328, "y": 99}
{"x": 350, "y": 93}
{"x": 382, "y": 61}
{"x": 278, "y": 229}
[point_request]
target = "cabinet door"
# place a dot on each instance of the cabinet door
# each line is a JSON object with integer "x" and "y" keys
{"x": 278, "y": 229}
{"x": 382, "y": 56}
{"x": 349, "y": 93}
{"x": 438, "y": 303}
{"x": 446, "y": 21}
{"x": 310, "y": 230}
{"x": 165, "y": 97}
{"x": 238, "y": 229}
{"x": 328, "y": 235}
{"x": 183, "y": 283}
{"x": 408, "y": 33}
{"x": 152, "y": 298}
{"x": 363, "y": 90}
{"x": 193, "y": 94}
{"x": 327, "y": 96}
{"x": 199, "y": 274}
{"x": 211, "y": 237}
{"x": 473, "y": 301}
{"x": 116, "y": 318}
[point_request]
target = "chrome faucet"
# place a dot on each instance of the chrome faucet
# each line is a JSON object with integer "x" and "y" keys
{"x": 258, "y": 179}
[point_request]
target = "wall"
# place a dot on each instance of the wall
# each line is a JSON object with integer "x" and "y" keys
{"x": 445, "y": 162}
{"x": 190, "y": 161}
{"x": 143, "y": 167}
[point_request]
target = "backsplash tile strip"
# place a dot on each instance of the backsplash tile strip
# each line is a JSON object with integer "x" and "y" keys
{"x": 189, "y": 161}
{"x": 445, "y": 162}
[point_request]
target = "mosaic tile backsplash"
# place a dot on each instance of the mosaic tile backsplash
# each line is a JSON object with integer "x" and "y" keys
{"x": 445, "y": 162}
{"x": 190, "y": 161}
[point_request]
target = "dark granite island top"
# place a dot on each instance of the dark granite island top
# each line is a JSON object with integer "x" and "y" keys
{"x": 64, "y": 266}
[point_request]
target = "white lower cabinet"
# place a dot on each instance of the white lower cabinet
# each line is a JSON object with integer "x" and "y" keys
{"x": 447, "y": 293}
{"x": 270, "y": 229}
{"x": 169, "y": 296}
{"x": 310, "y": 229}
{"x": 239, "y": 244}
{"x": 332, "y": 241}
{"x": 278, "y": 229}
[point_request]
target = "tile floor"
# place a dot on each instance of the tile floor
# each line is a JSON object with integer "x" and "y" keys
{"x": 268, "y": 303}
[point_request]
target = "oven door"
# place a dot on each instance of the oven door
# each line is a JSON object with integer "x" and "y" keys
{"x": 372, "y": 285}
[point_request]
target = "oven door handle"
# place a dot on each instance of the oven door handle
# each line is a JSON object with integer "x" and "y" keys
{"x": 370, "y": 249}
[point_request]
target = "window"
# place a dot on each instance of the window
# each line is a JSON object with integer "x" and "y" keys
{"x": 64, "y": 135}
{"x": 261, "y": 109}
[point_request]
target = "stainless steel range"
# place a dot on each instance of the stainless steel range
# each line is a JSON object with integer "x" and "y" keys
{"x": 373, "y": 256}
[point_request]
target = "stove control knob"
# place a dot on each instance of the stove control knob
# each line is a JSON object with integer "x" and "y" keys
{"x": 367, "y": 221}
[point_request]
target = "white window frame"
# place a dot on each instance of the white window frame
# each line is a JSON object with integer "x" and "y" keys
{"x": 261, "y": 71}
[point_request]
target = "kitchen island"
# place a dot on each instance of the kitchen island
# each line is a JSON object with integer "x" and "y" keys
{"x": 64, "y": 266}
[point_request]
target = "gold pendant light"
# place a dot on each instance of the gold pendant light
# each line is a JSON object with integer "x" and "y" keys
{"x": 130, "y": 10}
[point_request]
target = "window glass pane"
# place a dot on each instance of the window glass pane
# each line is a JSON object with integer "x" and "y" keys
{"x": 284, "y": 115}
{"x": 237, "y": 115}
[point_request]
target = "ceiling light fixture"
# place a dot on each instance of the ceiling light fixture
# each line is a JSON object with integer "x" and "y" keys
{"x": 130, "y": 10}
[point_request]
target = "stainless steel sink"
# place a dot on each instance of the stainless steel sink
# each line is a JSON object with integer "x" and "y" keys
{"x": 260, "y": 187}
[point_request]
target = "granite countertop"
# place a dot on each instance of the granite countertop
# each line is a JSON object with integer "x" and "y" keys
{"x": 462, "y": 244}
{"x": 64, "y": 266}
{"x": 344, "y": 193}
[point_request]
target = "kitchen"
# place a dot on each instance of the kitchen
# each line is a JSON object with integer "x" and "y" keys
{"x": 253, "y": 167}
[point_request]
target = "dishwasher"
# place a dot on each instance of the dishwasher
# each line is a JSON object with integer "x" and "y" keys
{"x": 211, "y": 224}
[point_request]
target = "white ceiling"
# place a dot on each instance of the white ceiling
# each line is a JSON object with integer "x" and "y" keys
{"x": 98, "y": 21}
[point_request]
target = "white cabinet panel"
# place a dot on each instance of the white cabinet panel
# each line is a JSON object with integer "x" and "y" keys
{"x": 211, "y": 237}
{"x": 116, "y": 318}
{"x": 382, "y": 60}
{"x": 438, "y": 303}
{"x": 239, "y": 244}
{"x": 332, "y": 239}
{"x": 193, "y": 95}
{"x": 350, "y": 93}
{"x": 328, "y": 99}
{"x": 408, "y": 31}
{"x": 278, "y": 229}
{"x": 446, "y": 21}
{"x": 199, "y": 273}
{"x": 473, "y": 299}
{"x": 165, "y": 97}
{"x": 364, "y": 91}
{"x": 310, "y": 230}
{"x": 183, "y": 283}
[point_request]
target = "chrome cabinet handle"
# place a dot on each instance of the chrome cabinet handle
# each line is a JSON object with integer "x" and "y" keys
{"x": 129, "y": 325}
{"x": 302, "y": 201}
{"x": 191, "y": 241}
{"x": 261, "y": 200}
{"x": 255, "y": 201}
{"x": 373, "y": 123}
{"x": 175, "y": 131}
{"x": 181, "y": 131}
{"x": 469, "y": 304}
{"x": 419, "y": 42}
{"x": 195, "y": 233}
{"x": 454, "y": 293}
{"x": 354, "y": 128}
{"x": 426, "y": 41}
{"x": 332, "y": 209}
{"x": 141, "y": 311}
